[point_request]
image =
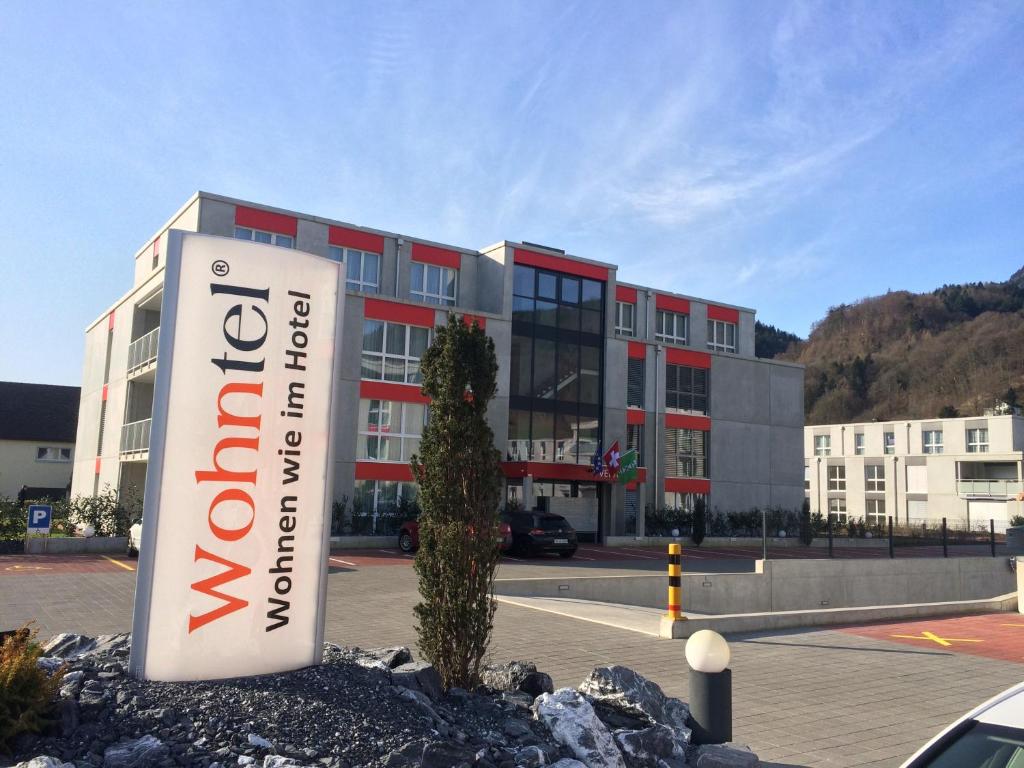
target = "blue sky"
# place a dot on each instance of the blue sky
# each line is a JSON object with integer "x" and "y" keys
{"x": 784, "y": 156}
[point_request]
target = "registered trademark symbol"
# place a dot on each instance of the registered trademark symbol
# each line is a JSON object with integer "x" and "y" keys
{"x": 220, "y": 268}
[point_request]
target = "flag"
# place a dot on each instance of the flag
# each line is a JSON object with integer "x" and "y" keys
{"x": 627, "y": 468}
{"x": 612, "y": 458}
{"x": 596, "y": 466}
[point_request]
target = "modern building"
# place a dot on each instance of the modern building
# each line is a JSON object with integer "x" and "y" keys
{"x": 964, "y": 469}
{"x": 585, "y": 361}
{"x": 37, "y": 438}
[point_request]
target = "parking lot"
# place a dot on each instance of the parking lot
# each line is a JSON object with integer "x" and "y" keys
{"x": 855, "y": 696}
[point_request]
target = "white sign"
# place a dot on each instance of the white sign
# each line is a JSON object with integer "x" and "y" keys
{"x": 39, "y": 516}
{"x": 233, "y": 560}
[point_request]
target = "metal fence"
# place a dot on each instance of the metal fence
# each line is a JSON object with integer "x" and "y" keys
{"x": 143, "y": 350}
{"x": 135, "y": 436}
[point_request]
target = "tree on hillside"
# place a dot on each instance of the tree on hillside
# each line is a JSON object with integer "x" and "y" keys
{"x": 770, "y": 341}
{"x": 459, "y": 474}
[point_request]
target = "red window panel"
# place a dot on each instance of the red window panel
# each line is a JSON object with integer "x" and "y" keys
{"x": 726, "y": 314}
{"x": 684, "y": 421}
{"x": 372, "y": 470}
{"x": 478, "y": 319}
{"x": 268, "y": 221}
{"x": 378, "y": 309}
{"x": 636, "y": 416}
{"x": 687, "y": 357}
{"x": 560, "y": 264}
{"x": 431, "y": 254}
{"x": 672, "y": 304}
{"x": 625, "y": 293}
{"x": 386, "y": 390}
{"x": 637, "y": 349}
{"x": 354, "y": 238}
{"x": 687, "y": 485}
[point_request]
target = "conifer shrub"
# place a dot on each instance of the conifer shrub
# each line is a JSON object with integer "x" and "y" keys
{"x": 459, "y": 474}
{"x": 700, "y": 520}
{"x": 27, "y": 693}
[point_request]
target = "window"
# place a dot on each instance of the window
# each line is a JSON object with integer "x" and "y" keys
{"x": 837, "y": 510}
{"x": 807, "y": 478}
{"x": 635, "y": 441}
{"x": 625, "y": 318}
{"x": 889, "y": 442}
{"x": 259, "y": 236}
{"x": 682, "y": 501}
{"x": 721, "y": 336}
{"x": 635, "y": 382}
{"x": 931, "y": 440}
{"x": 362, "y": 270}
{"x": 874, "y": 478}
{"x": 874, "y": 511}
{"x": 670, "y": 326}
{"x": 686, "y": 452}
{"x": 837, "y": 478}
{"x": 858, "y": 443}
{"x": 822, "y": 445}
{"x": 53, "y": 453}
{"x": 686, "y": 389}
{"x": 977, "y": 441}
{"x": 433, "y": 284}
{"x": 390, "y": 431}
{"x": 379, "y": 496}
{"x": 392, "y": 351}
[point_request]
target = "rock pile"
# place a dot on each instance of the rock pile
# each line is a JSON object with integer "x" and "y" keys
{"x": 375, "y": 707}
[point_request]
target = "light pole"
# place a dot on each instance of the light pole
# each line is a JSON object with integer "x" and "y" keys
{"x": 707, "y": 653}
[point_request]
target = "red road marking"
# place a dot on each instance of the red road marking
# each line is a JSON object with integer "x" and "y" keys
{"x": 988, "y": 635}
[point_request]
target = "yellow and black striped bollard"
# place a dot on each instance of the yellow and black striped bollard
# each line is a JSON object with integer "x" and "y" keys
{"x": 675, "y": 572}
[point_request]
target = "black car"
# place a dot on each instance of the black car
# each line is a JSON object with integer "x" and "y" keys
{"x": 534, "y": 533}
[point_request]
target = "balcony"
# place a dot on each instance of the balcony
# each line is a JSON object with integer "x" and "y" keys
{"x": 142, "y": 353}
{"x": 989, "y": 489}
{"x": 135, "y": 440}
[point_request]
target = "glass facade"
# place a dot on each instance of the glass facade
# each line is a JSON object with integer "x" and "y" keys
{"x": 556, "y": 367}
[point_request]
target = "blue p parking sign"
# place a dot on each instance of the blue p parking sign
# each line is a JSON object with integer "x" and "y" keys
{"x": 39, "y": 516}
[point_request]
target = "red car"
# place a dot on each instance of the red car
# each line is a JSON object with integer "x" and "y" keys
{"x": 409, "y": 537}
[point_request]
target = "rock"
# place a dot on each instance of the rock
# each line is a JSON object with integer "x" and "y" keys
{"x": 246, "y": 760}
{"x": 625, "y": 690}
{"x": 67, "y": 645}
{"x": 68, "y": 715}
{"x": 530, "y": 757}
{"x": 514, "y": 728}
{"x": 573, "y": 723}
{"x": 419, "y": 676}
{"x": 517, "y": 676}
{"x": 568, "y": 762}
{"x": 442, "y": 754}
{"x": 75, "y": 677}
{"x": 656, "y": 747}
{"x": 49, "y": 664}
{"x": 120, "y": 643}
{"x": 277, "y": 761}
{"x": 518, "y": 698}
{"x": 44, "y": 761}
{"x": 421, "y": 701}
{"x": 136, "y": 753}
{"x": 259, "y": 742}
{"x": 407, "y": 755}
{"x": 729, "y": 755}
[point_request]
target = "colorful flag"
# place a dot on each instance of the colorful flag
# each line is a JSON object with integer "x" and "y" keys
{"x": 612, "y": 458}
{"x": 596, "y": 465}
{"x": 628, "y": 466}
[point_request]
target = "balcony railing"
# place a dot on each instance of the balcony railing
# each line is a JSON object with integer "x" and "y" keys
{"x": 142, "y": 351}
{"x": 994, "y": 489}
{"x": 135, "y": 436}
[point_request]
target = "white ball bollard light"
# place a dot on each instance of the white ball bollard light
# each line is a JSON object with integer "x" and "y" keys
{"x": 708, "y": 654}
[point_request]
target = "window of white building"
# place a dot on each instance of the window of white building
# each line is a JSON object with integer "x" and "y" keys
{"x": 721, "y": 336}
{"x": 889, "y": 442}
{"x": 377, "y": 496}
{"x": 837, "y": 510}
{"x": 625, "y": 318}
{"x": 822, "y": 445}
{"x": 874, "y": 511}
{"x": 433, "y": 284}
{"x": 390, "y": 431}
{"x": 874, "y": 478}
{"x": 837, "y": 478}
{"x": 931, "y": 440}
{"x": 362, "y": 269}
{"x": 392, "y": 351}
{"x": 259, "y": 236}
{"x": 670, "y": 326}
{"x": 53, "y": 453}
{"x": 858, "y": 443}
{"x": 977, "y": 441}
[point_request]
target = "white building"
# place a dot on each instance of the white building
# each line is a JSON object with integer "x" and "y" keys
{"x": 964, "y": 469}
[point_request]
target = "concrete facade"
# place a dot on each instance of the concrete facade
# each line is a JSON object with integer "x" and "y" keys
{"x": 750, "y": 423}
{"x": 967, "y": 470}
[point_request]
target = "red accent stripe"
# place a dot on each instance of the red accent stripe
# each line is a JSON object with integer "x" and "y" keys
{"x": 560, "y": 264}
{"x": 387, "y": 390}
{"x": 552, "y": 471}
{"x": 268, "y": 221}
{"x": 675, "y": 608}
{"x": 687, "y": 485}
{"x": 723, "y": 313}
{"x": 687, "y": 357}
{"x": 625, "y": 293}
{"x": 353, "y": 238}
{"x": 375, "y": 470}
{"x": 156, "y": 247}
{"x": 641, "y": 475}
{"x": 105, "y": 391}
{"x": 635, "y": 416}
{"x": 378, "y": 309}
{"x": 638, "y": 350}
{"x": 685, "y": 421}
{"x": 430, "y": 254}
{"x": 470, "y": 319}
{"x": 110, "y": 321}
{"x": 672, "y": 303}
{"x": 97, "y": 466}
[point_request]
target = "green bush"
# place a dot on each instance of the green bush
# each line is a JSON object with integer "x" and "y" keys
{"x": 1017, "y": 520}
{"x": 27, "y": 693}
{"x": 806, "y": 526}
{"x": 700, "y": 514}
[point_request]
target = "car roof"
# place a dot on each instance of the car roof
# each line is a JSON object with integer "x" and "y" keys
{"x": 1005, "y": 709}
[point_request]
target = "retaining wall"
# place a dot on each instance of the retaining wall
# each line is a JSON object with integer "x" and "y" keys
{"x": 76, "y": 545}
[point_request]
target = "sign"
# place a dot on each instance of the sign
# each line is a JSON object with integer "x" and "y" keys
{"x": 628, "y": 466}
{"x": 233, "y": 561}
{"x": 39, "y": 516}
